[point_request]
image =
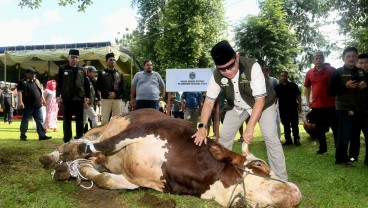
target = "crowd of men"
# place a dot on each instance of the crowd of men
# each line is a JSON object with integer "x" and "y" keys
{"x": 337, "y": 97}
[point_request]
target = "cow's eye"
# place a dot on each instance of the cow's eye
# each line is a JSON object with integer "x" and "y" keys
{"x": 258, "y": 163}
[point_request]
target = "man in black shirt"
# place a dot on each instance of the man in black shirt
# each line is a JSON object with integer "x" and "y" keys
{"x": 8, "y": 104}
{"x": 110, "y": 83}
{"x": 30, "y": 99}
{"x": 72, "y": 91}
{"x": 289, "y": 106}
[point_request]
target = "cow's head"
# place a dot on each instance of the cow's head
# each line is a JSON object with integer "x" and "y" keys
{"x": 66, "y": 152}
{"x": 262, "y": 188}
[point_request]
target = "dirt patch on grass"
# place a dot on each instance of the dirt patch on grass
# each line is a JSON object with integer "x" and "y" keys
{"x": 96, "y": 197}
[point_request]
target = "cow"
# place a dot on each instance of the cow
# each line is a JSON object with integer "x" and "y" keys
{"x": 146, "y": 148}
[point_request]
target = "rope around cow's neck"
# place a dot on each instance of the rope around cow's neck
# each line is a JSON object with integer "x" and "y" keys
{"x": 242, "y": 197}
{"x": 250, "y": 173}
{"x": 241, "y": 181}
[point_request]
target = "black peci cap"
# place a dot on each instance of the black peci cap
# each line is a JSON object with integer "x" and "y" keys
{"x": 31, "y": 70}
{"x": 74, "y": 52}
{"x": 222, "y": 52}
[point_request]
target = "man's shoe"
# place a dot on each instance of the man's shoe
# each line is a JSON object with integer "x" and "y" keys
{"x": 352, "y": 159}
{"x": 320, "y": 152}
{"x": 44, "y": 138}
{"x": 23, "y": 137}
{"x": 349, "y": 164}
{"x": 288, "y": 142}
{"x": 297, "y": 143}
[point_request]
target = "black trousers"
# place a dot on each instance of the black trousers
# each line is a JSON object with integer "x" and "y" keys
{"x": 325, "y": 118}
{"x": 8, "y": 114}
{"x": 290, "y": 121}
{"x": 70, "y": 108}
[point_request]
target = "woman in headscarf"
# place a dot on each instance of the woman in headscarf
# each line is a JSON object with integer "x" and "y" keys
{"x": 52, "y": 107}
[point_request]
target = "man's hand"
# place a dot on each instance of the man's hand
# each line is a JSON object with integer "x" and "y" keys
{"x": 248, "y": 135}
{"x": 200, "y": 137}
{"x": 362, "y": 85}
{"x": 21, "y": 106}
{"x": 132, "y": 103}
{"x": 351, "y": 84}
{"x": 112, "y": 95}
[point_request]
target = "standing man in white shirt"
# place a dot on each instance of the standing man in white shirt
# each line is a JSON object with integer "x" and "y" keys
{"x": 248, "y": 95}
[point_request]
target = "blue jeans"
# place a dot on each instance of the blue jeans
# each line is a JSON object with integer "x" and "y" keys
{"x": 36, "y": 113}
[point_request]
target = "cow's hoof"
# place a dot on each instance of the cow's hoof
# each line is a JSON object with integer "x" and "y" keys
{"x": 61, "y": 172}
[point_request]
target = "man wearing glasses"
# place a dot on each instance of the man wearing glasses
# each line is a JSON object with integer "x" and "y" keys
{"x": 110, "y": 83}
{"x": 248, "y": 95}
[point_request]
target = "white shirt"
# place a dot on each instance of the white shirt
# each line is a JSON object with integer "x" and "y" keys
{"x": 257, "y": 84}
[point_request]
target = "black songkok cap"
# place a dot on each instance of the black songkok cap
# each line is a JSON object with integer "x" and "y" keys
{"x": 31, "y": 70}
{"x": 109, "y": 55}
{"x": 222, "y": 52}
{"x": 74, "y": 52}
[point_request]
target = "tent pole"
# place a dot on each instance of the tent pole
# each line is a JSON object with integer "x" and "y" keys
{"x": 48, "y": 70}
{"x": 5, "y": 67}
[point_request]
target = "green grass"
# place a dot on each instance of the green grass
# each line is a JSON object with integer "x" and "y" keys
{"x": 24, "y": 183}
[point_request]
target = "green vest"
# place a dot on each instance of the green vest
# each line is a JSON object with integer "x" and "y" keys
{"x": 245, "y": 68}
{"x": 350, "y": 99}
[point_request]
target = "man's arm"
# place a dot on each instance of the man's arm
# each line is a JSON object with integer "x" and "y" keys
{"x": 254, "y": 117}
{"x": 163, "y": 92}
{"x": 20, "y": 100}
{"x": 121, "y": 86}
{"x": 307, "y": 96}
{"x": 132, "y": 96}
{"x": 299, "y": 98}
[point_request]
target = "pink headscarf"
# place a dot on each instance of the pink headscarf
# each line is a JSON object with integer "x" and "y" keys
{"x": 50, "y": 86}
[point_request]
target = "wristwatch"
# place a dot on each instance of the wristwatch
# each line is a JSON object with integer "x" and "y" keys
{"x": 201, "y": 125}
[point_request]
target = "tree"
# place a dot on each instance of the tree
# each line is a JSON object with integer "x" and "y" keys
{"x": 149, "y": 29}
{"x": 306, "y": 19}
{"x": 189, "y": 30}
{"x": 267, "y": 38}
{"x": 353, "y": 21}
{"x": 35, "y": 4}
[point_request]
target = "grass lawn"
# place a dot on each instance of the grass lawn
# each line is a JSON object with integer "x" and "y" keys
{"x": 24, "y": 183}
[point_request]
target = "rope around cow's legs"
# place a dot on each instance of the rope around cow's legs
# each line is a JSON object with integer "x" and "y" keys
{"x": 74, "y": 167}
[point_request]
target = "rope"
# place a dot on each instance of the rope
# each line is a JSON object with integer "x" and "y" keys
{"x": 250, "y": 173}
{"x": 241, "y": 181}
{"x": 89, "y": 143}
{"x": 74, "y": 167}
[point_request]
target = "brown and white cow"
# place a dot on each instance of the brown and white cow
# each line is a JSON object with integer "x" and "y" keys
{"x": 146, "y": 148}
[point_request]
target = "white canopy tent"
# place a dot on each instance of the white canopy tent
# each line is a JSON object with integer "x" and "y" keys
{"x": 46, "y": 58}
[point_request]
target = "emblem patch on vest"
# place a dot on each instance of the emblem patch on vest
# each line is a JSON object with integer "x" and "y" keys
{"x": 243, "y": 79}
{"x": 224, "y": 82}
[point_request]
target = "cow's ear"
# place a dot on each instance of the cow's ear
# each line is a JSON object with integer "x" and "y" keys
{"x": 220, "y": 153}
{"x": 259, "y": 167}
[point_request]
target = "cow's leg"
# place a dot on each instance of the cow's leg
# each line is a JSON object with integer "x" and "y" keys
{"x": 106, "y": 180}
